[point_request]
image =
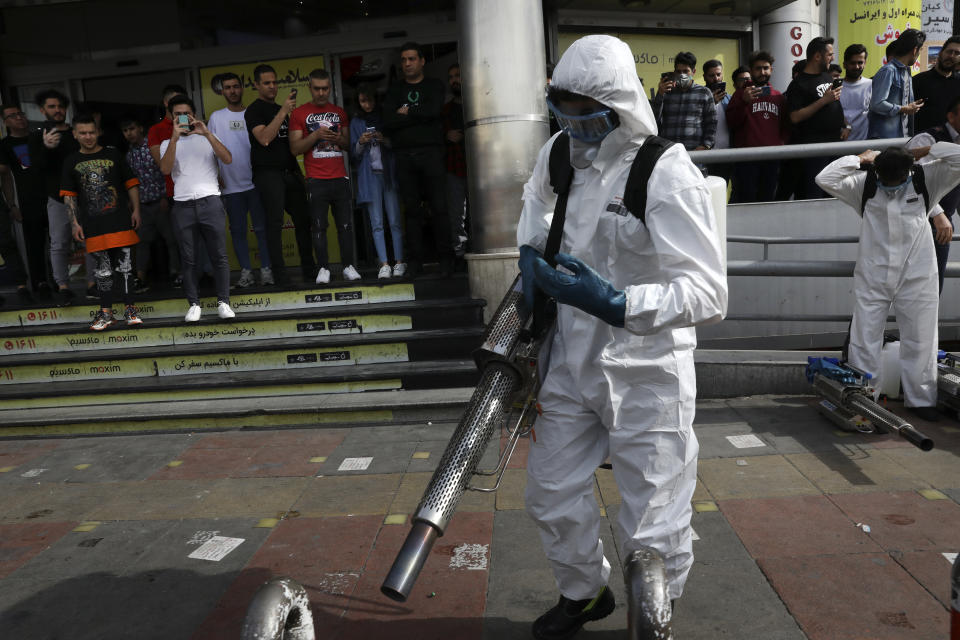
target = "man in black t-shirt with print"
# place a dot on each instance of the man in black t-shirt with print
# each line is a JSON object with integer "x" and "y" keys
{"x": 276, "y": 174}
{"x": 815, "y": 112}
{"x": 413, "y": 121}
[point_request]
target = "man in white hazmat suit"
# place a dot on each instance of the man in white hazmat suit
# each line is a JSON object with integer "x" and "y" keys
{"x": 620, "y": 379}
{"x": 896, "y": 262}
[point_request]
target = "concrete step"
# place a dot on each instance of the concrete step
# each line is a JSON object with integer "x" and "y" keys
{"x": 334, "y": 409}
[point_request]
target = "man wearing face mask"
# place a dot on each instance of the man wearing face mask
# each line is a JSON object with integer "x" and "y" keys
{"x": 620, "y": 379}
{"x": 685, "y": 111}
{"x": 896, "y": 266}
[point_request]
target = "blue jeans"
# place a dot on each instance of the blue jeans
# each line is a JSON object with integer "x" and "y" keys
{"x": 383, "y": 195}
{"x": 237, "y": 206}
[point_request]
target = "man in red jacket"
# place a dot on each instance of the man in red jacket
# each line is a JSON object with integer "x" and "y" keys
{"x": 757, "y": 118}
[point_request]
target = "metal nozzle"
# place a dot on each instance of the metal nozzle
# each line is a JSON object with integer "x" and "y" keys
{"x": 409, "y": 561}
{"x": 280, "y": 610}
{"x": 648, "y": 606}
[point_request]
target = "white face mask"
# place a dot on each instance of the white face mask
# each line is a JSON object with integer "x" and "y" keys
{"x": 684, "y": 81}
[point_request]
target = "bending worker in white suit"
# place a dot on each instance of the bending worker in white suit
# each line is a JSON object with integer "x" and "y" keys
{"x": 620, "y": 379}
{"x": 896, "y": 262}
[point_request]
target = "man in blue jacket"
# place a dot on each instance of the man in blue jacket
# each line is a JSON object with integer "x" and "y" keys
{"x": 892, "y": 105}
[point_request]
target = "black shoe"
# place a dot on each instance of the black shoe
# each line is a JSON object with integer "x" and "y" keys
{"x": 24, "y": 295}
{"x": 92, "y": 293}
{"x": 139, "y": 286}
{"x": 930, "y": 414}
{"x": 177, "y": 281}
{"x": 413, "y": 269}
{"x": 65, "y": 297}
{"x": 43, "y": 290}
{"x": 565, "y": 619}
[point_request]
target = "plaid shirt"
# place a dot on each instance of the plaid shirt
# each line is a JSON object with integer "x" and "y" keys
{"x": 688, "y": 117}
{"x": 152, "y": 183}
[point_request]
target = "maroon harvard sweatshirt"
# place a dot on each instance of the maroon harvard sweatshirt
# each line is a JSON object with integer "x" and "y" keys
{"x": 757, "y": 124}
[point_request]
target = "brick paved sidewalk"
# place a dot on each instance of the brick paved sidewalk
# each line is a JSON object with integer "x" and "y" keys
{"x": 96, "y": 533}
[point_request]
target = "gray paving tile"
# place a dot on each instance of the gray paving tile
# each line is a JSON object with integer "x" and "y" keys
{"x": 953, "y": 493}
{"x": 400, "y": 433}
{"x": 521, "y": 584}
{"x": 714, "y": 443}
{"x": 726, "y": 595}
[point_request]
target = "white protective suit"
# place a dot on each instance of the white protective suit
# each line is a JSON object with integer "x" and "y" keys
{"x": 896, "y": 265}
{"x": 629, "y": 392}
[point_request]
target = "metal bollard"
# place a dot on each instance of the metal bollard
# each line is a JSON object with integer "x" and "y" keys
{"x": 955, "y": 600}
{"x": 279, "y": 611}
{"x": 648, "y": 606}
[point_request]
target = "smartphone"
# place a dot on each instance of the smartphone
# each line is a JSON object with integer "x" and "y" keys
{"x": 293, "y": 92}
{"x": 765, "y": 90}
{"x": 183, "y": 121}
{"x": 371, "y": 129}
{"x": 837, "y": 84}
{"x": 666, "y": 75}
{"x": 717, "y": 86}
{"x": 49, "y": 125}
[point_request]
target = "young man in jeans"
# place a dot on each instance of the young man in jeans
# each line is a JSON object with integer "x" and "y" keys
{"x": 276, "y": 173}
{"x": 239, "y": 195}
{"x": 95, "y": 185}
{"x": 319, "y": 130}
{"x": 190, "y": 156}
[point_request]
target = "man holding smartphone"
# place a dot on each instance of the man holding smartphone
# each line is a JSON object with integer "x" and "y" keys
{"x": 755, "y": 115}
{"x": 319, "y": 130}
{"x": 276, "y": 174}
{"x": 892, "y": 105}
{"x": 190, "y": 157}
{"x": 813, "y": 100}
{"x": 48, "y": 148}
{"x": 685, "y": 111}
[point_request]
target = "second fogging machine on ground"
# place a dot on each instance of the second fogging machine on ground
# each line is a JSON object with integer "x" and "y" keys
{"x": 507, "y": 360}
{"x": 847, "y": 401}
{"x": 948, "y": 381}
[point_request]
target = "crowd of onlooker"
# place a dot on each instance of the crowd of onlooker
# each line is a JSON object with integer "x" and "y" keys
{"x": 824, "y": 102}
{"x": 182, "y": 178}
{"x": 165, "y": 199}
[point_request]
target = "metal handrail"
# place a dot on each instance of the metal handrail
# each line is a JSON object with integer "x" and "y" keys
{"x": 792, "y": 151}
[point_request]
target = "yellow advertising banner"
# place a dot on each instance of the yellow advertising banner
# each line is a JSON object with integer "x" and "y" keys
{"x": 653, "y": 54}
{"x": 292, "y": 73}
{"x": 875, "y": 24}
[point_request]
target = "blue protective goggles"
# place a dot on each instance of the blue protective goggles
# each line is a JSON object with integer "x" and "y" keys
{"x": 592, "y": 127}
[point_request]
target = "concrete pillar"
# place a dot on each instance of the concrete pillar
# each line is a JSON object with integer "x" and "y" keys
{"x": 502, "y": 63}
{"x": 785, "y": 33}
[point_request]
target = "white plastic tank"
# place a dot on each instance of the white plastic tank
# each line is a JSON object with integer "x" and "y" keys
{"x": 890, "y": 370}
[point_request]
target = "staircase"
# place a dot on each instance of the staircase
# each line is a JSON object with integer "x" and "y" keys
{"x": 338, "y": 354}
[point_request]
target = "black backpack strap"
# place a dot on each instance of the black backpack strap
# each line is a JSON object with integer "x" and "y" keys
{"x": 869, "y": 188}
{"x": 635, "y": 193}
{"x": 920, "y": 185}
{"x": 561, "y": 175}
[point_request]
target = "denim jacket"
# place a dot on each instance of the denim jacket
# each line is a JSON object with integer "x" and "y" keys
{"x": 892, "y": 88}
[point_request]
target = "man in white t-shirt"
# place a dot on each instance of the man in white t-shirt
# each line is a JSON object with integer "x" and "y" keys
{"x": 855, "y": 97}
{"x": 190, "y": 157}
{"x": 239, "y": 194}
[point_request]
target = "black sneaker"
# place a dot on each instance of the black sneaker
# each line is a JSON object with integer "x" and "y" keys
{"x": 92, "y": 293}
{"x": 65, "y": 297}
{"x": 565, "y": 619}
{"x": 177, "y": 281}
{"x": 43, "y": 290}
{"x": 24, "y": 295}
{"x": 139, "y": 286}
{"x": 930, "y": 414}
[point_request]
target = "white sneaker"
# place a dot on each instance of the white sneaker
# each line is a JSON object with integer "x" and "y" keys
{"x": 266, "y": 275}
{"x": 349, "y": 273}
{"x": 385, "y": 272}
{"x": 246, "y": 279}
{"x": 399, "y": 269}
{"x": 193, "y": 313}
{"x": 323, "y": 276}
{"x": 224, "y": 311}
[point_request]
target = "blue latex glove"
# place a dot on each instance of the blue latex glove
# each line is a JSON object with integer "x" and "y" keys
{"x": 528, "y": 256}
{"x": 585, "y": 289}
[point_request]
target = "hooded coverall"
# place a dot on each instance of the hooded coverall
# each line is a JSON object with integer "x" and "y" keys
{"x": 628, "y": 393}
{"x": 896, "y": 265}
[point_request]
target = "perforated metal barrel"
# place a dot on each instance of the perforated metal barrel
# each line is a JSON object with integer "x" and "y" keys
{"x": 888, "y": 421}
{"x": 505, "y": 326}
{"x": 488, "y": 405}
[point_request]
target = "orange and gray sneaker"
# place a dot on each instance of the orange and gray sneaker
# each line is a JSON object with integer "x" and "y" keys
{"x": 131, "y": 316}
{"x": 102, "y": 320}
